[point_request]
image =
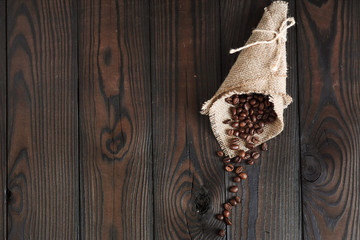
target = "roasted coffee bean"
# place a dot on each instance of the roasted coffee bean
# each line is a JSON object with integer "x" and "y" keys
{"x": 251, "y": 112}
{"x": 234, "y": 147}
{"x": 220, "y": 153}
{"x": 226, "y": 160}
{"x": 249, "y": 145}
{"x": 229, "y": 167}
{"x": 252, "y": 101}
{"x": 230, "y": 132}
{"x": 242, "y": 153}
{"x": 226, "y": 213}
{"x": 243, "y": 175}
{"x": 248, "y": 139}
{"x": 233, "y": 111}
{"x": 261, "y": 124}
{"x": 238, "y": 110}
{"x": 247, "y": 156}
{"x": 227, "y": 206}
{"x": 247, "y": 106}
{"x": 237, "y": 199}
{"x": 235, "y": 141}
{"x": 228, "y": 100}
{"x": 252, "y": 131}
{"x": 261, "y": 98}
{"x": 222, "y": 233}
{"x": 236, "y": 159}
{"x": 250, "y": 124}
{"x": 261, "y": 106}
{"x": 235, "y": 118}
{"x": 243, "y": 114}
{"x": 256, "y": 126}
{"x": 271, "y": 119}
{"x": 232, "y": 202}
{"x": 241, "y": 130}
{"x": 261, "y": 112}
{"x": 259, "y": 131}
{"x": 264, "y": 147}
{"x": 239, "y": 169}
{"x": 255, "y": 155}
{"x": 227, "y": 221}
{"x": 247, "y": 130}
{"x": 243, "y": 135}
{"x": 255, "y": 140}
{"x": 236, "y": 133}
{"x": 236, "y": 100}
{"x": 234, "y": 189}
{"x": 253, "y": 118}
{"x": 237, "y": 179}
{"x": 242, "y": 99}
{"x": 259, "y": 117}
{"x": 265, "y": 116}
{"x": 235, "y": 124}
{"x": 227, "y": 121}
{"x": 250, "y": 162}
{"x": 242, "y": 124}
{"x": 220, "y": 217}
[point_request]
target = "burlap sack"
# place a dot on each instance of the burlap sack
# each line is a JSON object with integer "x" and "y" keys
{"x": 260, "y": 68}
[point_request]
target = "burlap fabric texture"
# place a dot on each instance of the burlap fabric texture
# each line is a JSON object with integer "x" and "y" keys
{"x": 260, "y": 68}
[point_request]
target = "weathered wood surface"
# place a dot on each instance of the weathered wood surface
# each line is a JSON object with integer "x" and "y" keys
{"x": 329, "y": 63}
{"x": 42, "y": 120}
{"x": 115, "y": 120}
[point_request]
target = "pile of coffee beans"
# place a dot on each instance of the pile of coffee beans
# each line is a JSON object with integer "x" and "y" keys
{"x": 249, "y": 114}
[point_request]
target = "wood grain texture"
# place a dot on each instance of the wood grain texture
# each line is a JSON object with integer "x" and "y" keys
{"x": 271, "y": 199}
{"x": 115, "y": 120}
{"x": 42, "y": 120}
{"x": 3, "y": 93}
{"x": 329, "y": 42}
{"x": 188, "y": 177}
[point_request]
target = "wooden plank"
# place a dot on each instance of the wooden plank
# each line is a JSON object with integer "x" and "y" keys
{"x": 3, "y": 169}
{"x": 188, "y": 177}
{"x": 42, "y": 120}
{"x": 115, "y": 120}
{"x": 271, "y": 200}
{"x": 329, "y": 64}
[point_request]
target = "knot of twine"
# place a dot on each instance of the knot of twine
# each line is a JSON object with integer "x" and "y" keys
{"x": 279, "y": 35}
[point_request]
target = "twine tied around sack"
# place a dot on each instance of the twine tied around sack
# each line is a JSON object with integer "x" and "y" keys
{"x": 279, "y": 35}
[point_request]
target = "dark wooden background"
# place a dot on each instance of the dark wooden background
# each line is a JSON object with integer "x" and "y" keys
{"x": 101, "y": 136}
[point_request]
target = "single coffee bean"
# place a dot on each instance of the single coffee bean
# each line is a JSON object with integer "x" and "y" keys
{"x": 255, "y": 155}
{"x": 227, "y": 221}
{"x": 234, "y": 147}
{"x": 233, "y": 111}
{"x": 242, "y": 153}
{"x": 253, "y": 118}
{"x": 251, "y": 112}
{"x": 237, "y": 199}
{"x": 247, "y": 156}
{"x": 227, "y": 206}
{"x": 247, "y": 106}
{"x": 236, "y": 100}
{"x": 252, "y": 102}
{"x": 220, "y": 153}
{"x": 261, "y": 124}
{"x": 236, "y": 159}
{"x": 250, "y": 162}
{"x": 222, "y": 233}
{"x": 264, "y": 147}
{"x": 236, "y": 133}
{"x": 226, "y": 213}
{"x": 261, "y": 98}
{"x": 261, "y": 106}
{"x": 248, "y": 139}
{"x": 249, "y": 124}
{"x": 259, "y": 131}
{"x": 243, "y": 175}
{"x": 232, "y": 202}
{"x": 242, "y": 124}
{"x": 230, "y": 132}
{"x": 235, "y": 141}
{"x": 243, "y": 114}
{"x": 247, "y": 130}
{"x": 237, "y": 179}
{"x": 238, "y": 110}
{"x": 242, "y": 99}
{"x": 239, "y": 169}
{"x": 220, "y": 217}
{"x": 235, "y": 124}
{"x": 249, "y": 146}
{"x": 227, "y": 121}
{"x": 243, "y": 135}
{"x": 241, "y": 130}
{"x": 234, "y": 189}
{"x": 255, "y": 140}
{"x": 229, "y": 167}
{"x": 256, "y": 126}
{"x": 252, "y": 131}
{"x": 226, "y": 160}
{"x": 235, "y": 118}
{"x": 228, "y": 100}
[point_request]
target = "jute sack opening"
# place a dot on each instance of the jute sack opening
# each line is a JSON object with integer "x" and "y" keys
{"x": 260, "y": 68}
